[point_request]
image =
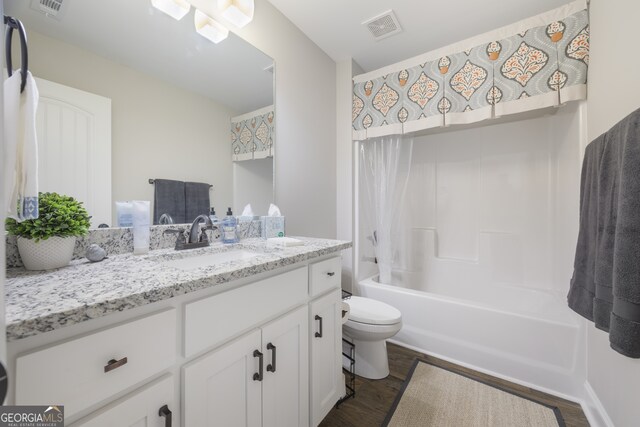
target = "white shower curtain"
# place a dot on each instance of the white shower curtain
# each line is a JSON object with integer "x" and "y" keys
{"x": 385, "y": 163}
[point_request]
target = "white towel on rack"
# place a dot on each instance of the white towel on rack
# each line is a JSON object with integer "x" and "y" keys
{"x": 20, "y": 148}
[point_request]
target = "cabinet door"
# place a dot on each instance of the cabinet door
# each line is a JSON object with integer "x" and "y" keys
{"x": 153, "y": 406}
{"x": 285, "y": 389}
{"x": 326, "y": 353}
{"x": 219, "y": 388}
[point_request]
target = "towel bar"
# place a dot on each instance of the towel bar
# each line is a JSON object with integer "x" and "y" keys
{"x": 153, "y": 181}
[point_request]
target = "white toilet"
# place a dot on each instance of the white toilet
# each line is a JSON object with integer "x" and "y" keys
{"x": 370, "y": 324}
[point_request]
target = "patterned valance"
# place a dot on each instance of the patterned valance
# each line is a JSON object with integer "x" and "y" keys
{"x": 252, "y": 134}
{"x": 535, "y": 63}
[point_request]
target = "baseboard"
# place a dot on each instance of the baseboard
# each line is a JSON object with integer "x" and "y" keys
{"x": 593, "y": 408}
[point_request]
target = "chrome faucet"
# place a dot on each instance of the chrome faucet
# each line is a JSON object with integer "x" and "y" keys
{"x": 195, "y": 229}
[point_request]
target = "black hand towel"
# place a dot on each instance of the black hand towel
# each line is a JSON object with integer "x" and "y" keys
{"x": 197, "y": 200}
{"x": 605, "y": 286}
{"x": 169, "y": 198}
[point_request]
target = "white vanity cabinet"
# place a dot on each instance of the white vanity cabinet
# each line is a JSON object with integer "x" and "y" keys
{"x": 88, "y": 369}
{"x": 152, "y": 406}
{"x": 219, "y": 387}
{"x": 263, "y": 351}
{"x": 260, "y": 379}
{"x": 285, "y": 387}
{"x": 327, "y": 383}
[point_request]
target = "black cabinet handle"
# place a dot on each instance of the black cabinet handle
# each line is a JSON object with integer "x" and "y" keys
{"x": 258, "y": 375}
{"x": 272, "y": 366}
{"x": 113, "y": 364}
{"x": 319, "y": 334}
{"x": 331, "y": 273}
{"x": 167, "y": 414}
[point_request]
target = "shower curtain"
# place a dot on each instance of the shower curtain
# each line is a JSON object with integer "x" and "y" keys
{"x": 385, "y": 163}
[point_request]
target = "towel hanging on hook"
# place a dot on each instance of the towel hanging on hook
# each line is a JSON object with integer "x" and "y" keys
{"x": 15, "y": 24}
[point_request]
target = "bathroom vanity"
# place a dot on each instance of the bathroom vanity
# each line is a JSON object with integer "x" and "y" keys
{"x": 246, "y": 335}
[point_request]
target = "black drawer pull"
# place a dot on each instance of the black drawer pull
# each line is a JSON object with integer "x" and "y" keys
{"x": 331, "y": 273}
{"x": 271, "y": 367}
{"x": 165, "y": 412}
{"x": 319, "y": 334}
{"x": 114, "y": 364}
{"x": 258, "y": 375}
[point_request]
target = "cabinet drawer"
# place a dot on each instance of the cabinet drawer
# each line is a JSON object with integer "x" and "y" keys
{"x": 324, "y": 275}
{"x": 215, "y": 319}
{"x": 145, "y": 407}
{"x": 73, "y": 373}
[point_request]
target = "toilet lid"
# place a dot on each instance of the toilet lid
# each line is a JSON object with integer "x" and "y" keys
{"x": 373, "y": 312}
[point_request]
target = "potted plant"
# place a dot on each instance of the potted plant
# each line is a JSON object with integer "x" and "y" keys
{"x": 48, "y": 241}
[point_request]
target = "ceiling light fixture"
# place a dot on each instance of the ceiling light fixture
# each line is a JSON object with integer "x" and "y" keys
{"x": 238, "y": 12}
{"x": 176, "y": 9}
{"x": 208, "y": 28}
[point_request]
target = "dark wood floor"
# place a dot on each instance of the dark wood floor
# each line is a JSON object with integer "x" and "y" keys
{"x": 374, "y": 397}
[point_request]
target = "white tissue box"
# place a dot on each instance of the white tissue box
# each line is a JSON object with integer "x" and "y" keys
{"x": 272, "y": 226}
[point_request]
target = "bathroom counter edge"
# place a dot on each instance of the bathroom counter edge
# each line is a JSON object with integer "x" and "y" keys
{"x": 39, "y": 302}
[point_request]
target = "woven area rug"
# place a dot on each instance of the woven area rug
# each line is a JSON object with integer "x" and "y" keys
{"x": 435, "y": 396}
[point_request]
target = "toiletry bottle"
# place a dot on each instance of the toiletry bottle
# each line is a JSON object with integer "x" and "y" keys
{"x": 212, "y": 216}
{"x": 229, "y": 228}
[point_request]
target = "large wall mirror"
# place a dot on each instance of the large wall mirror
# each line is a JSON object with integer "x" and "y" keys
{"x": 129, "y": 96}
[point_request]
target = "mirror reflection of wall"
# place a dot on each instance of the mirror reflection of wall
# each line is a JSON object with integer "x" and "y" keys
{"x": 172, "y": 96}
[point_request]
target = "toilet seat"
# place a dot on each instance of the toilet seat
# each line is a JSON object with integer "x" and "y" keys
{"x": 372, "y": 312}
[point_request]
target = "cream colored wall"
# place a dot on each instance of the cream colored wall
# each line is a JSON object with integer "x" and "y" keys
{"x": 614, "y": 92}
{"x": 305, "y": 145}
{"x": 158, "y": 130}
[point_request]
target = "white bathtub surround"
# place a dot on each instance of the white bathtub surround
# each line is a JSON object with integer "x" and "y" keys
{"x": 491, "y": 219}
{"x": 526, "y": 336}
{"x": 385, "y": 167}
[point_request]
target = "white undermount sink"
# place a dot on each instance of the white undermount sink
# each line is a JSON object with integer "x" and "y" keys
{"x": 208, "y": 260}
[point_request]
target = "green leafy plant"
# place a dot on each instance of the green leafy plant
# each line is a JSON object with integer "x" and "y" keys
{"x": 59, "y": 215}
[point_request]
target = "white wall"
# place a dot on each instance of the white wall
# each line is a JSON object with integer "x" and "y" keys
{"x": 158, "y": 130}
{"x": 305, "y": 147}
{"x": 252, "y": 183}
{"x": 345, "y": 71}
{"x": 613, "y": 93}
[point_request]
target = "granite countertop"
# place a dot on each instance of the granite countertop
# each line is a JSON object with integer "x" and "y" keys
{"x": 38, "y": 302}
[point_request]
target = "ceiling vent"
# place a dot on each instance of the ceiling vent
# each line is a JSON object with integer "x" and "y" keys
{"x": 384, "y": 25}
{"x": 50, "y": 8}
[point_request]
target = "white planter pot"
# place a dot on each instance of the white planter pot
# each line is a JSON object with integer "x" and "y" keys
{"x": 55, "y": 252}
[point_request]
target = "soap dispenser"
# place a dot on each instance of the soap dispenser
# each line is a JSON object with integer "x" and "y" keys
{"x": 229, "y": 228}
{"x": 212, "y": 216}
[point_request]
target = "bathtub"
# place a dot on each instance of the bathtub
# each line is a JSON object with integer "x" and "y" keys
{"x": 523, "y": 335}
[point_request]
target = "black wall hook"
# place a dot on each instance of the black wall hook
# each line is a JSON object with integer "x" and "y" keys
{"x": 15, "y": 24}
